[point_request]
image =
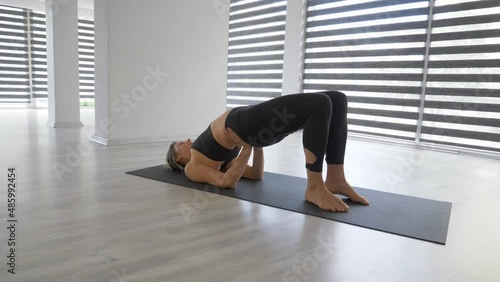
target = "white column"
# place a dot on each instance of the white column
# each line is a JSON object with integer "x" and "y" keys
{"x": 62, "y": 63}
{"x": 292, "y": 61}
{"x": 102, "y": 125}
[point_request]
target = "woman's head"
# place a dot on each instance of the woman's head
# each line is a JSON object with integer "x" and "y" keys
{"x": 178, "y": 155}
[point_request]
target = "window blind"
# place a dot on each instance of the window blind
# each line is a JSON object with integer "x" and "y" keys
{"x": 86, "y": 58}
{"x": 462, "y": 103}
{"x": 256, "y": 47}
{"x": 14, "y": 78}
{"x": 374, "y": 52}
{"x": 39, "y": 56}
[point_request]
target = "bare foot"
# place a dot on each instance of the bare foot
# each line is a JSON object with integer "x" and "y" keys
{"x": 343, "y": 188}
{"x": 318, "y": 194}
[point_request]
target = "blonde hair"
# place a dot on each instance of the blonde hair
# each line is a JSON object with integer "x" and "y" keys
{"x": 170, "y": 163}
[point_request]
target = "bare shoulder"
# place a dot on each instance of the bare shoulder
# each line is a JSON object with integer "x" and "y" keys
{"x": 202, "y": 173}
{"x": 190, "y": 171}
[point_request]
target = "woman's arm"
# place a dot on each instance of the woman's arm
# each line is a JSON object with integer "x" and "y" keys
{"x": 237, "y": 168}
{"x": 257, "y": 168}
{"x": 205, "y": 174}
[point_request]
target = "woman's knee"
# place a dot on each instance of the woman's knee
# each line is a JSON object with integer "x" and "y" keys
{"x": 337, "y": 97}
{"x": 322, "y": 103}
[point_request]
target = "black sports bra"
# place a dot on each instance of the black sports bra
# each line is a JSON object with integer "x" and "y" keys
{"x": 208, "y": 146}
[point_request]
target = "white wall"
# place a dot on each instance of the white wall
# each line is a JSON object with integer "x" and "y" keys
{"x": 188, "y": 39}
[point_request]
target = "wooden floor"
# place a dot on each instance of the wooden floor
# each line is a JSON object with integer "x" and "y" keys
{"x": 96, "y": 223}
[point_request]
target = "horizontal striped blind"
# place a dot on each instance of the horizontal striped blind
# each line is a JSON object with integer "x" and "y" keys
{"x": 39, "y": 54}
{"x": 374, "y": 52}
{"x": 462, "y": 103}
{"x": 86, "y": 58}
{"x": 39, "y": 57}
{"x": 14, "y": 64}
{"x": 255, "y": 55}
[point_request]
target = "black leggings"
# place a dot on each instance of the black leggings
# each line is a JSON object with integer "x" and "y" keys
{"x": 322, "y": 116}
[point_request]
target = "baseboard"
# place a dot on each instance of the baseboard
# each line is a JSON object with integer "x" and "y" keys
{"x": 59, "y": 124}
{"x": 138, "y": 140}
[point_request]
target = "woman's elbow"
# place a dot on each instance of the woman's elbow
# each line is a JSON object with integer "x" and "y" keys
{"x": 226, "y": 182}
{"x": 258, "y": 176}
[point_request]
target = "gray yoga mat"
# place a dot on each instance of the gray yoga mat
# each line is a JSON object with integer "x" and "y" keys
{"x": 388, "y": 212}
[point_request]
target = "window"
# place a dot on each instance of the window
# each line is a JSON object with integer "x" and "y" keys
{"x": 462, "y": 102}
{"x": 255, "y": 55}
{"x": 39, "y": 54}
{"x": 23, "y": 56}
{"x": 14, "y": 67}
{"x": 86, "y": 57}
{"x": 417, "y": 70}
{"x": 39, "y": 57}
{"x": 374, "y": 52}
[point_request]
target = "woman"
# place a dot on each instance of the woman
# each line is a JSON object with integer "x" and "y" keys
{"x": 215, "y": 156}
